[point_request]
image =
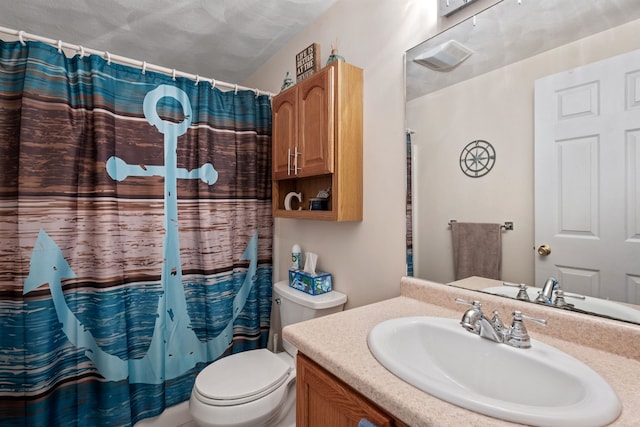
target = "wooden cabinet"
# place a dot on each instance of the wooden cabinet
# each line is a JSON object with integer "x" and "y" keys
{"x": 303, "y": 126}
{"x": 317, "y": 143}
{"x": 324, "y": 400}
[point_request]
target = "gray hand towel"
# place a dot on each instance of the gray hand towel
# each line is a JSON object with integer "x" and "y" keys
{"x": 477, "y": 250}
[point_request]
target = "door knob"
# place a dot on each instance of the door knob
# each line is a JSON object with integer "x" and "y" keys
{"x": 544, "y": 250}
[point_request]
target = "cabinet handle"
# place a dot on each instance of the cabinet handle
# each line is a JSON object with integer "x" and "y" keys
{"x": 295, "y": 160}
{"x": 288, "y": 161}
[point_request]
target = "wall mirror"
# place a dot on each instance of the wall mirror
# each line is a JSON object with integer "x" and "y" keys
{"x": 490, "y": 96}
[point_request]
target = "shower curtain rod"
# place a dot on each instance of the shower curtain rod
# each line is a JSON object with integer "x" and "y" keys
{"x": 126, "y": 61}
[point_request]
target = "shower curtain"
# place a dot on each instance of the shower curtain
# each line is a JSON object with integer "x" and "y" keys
{"x": 136, "y": 235}
{"x": 409, "y": 206}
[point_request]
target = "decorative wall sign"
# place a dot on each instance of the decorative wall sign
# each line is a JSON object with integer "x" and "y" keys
{"x": 307, "y": 62}
{"x": 477, "y": 158}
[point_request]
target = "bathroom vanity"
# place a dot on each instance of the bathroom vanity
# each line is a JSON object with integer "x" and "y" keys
{"x": 323, "y": 399}
{"x": 338, "y": 377}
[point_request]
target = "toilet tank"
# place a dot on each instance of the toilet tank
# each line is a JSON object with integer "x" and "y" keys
{"x": 296, "y": 306}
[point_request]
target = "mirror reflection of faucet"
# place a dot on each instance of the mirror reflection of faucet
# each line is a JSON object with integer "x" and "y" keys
{"x": 569, "y": 301}
{"x": 560, "y": 296}
{"x": 552, "y": 287}
{"x": 546, "y": 294}
{"x": 522, "y": 295}
{"x": 560, "y": 301}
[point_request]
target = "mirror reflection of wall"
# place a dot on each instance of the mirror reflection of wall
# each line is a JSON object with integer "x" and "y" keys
{"x": 496, "y": 106}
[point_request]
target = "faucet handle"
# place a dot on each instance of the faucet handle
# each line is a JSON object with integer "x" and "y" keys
{"x": 570, "y": 295}
{"x": 518, "y": 336}
{"x": 522, "y": 295}
{"x": 521, "y": 316}
{"x": 474, "y": 303}
{"x": 496, "y": 321}
{"x": 515, "y": 285}
{"x": 560, "y": 301}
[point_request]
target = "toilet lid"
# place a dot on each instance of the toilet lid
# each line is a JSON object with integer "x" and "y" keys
{"x": 242, "y": 377}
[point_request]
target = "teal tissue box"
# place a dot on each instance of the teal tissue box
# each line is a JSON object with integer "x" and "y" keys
{"x": 319, "y": 283}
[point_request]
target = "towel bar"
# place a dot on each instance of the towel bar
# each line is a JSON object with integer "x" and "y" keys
{"x": 508, "y": 225}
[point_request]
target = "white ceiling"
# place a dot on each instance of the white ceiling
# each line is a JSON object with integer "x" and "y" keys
{"x": 223, "y": 39}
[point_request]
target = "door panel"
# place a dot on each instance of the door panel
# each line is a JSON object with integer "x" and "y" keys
{"x": 285, "y": 128}
{"x": 316, "y": 140}
{"x": 587, "y": 185}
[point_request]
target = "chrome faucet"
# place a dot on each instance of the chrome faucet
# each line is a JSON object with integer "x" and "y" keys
{"x": 475, "y": 321}
{"x": 545, "y": 296}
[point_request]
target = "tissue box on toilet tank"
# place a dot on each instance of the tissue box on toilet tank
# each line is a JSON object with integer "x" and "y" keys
{"x": 319, "y": 283}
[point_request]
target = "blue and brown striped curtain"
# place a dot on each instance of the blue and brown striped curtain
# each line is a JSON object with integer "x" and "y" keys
{"x": 409, "y": 205}
{"x": 136, "y": 235}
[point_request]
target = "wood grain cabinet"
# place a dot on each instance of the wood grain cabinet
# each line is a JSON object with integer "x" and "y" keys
{"x": 323, "y": 400}
{"x": 317, "y": 144}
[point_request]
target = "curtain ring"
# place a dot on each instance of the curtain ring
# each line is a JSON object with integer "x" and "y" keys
{"x": 197, "y": 80}
{"x": 257, "y": 92}
{"x": 236, "y": 90}
{"x": 21, "y": 37}
{"x": 144, "y": 67}
{"x": 173, "y": 75}
{"x": 108, "y": 55}
{"x": 81, "y": 51}
{"x": 59, "y": 46}
{"x": 213, "y": 83}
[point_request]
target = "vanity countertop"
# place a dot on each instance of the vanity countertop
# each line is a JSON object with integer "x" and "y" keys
{"x": 338, "y": 342}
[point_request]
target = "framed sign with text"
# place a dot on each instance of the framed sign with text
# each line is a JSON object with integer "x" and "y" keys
{"x": 307, "y": 62}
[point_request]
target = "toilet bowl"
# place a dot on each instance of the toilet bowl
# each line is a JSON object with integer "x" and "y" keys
{"x": 257, "y": 387}
{"x": 252, "y": 388}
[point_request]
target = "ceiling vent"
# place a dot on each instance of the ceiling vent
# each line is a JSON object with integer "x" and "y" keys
{"x": 444, "y": 57}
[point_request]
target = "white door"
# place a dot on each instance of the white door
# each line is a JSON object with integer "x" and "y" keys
{"x": 587, "y": 178}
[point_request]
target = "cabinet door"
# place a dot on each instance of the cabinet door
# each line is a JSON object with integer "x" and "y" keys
{"x": 316, "y": 132}
{"x": 323, "y": 400}
{"x": 285, "y": 133}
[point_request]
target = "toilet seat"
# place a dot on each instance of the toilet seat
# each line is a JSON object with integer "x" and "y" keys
{"x": 241, "y": 378}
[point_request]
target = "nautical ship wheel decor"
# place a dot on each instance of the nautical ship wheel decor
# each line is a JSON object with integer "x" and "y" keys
{"x": 477, "y": 158}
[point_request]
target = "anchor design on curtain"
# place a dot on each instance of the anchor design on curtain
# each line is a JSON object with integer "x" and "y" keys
{"x": 174, "y": 347}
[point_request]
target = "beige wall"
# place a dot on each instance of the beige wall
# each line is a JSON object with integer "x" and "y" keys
{"x": 497, "y": 107}
{"x": 366, "y": 258}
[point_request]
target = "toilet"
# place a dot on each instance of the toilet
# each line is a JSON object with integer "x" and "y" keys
{"x": 257, "y": 387}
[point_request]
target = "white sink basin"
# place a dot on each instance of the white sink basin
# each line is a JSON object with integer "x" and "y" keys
{"x": 540, "y": 386}
{"x": 591, "y": 304}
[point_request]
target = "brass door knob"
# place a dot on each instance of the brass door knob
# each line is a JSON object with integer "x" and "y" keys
{"x": 544, "y": 250}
